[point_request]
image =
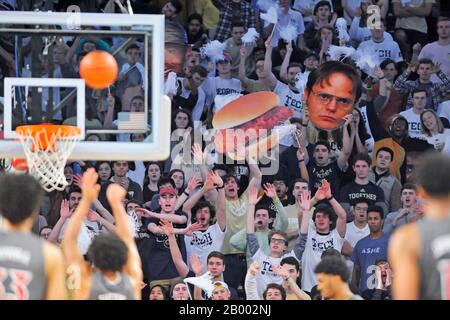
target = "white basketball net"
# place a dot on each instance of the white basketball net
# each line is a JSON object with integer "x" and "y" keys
{"x": 47, "y": 164}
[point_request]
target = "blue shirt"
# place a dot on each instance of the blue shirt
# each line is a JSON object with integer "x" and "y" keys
{"x": 365, "y": 254}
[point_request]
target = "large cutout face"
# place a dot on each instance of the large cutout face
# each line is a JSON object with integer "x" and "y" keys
{"x": 330, "y": 101}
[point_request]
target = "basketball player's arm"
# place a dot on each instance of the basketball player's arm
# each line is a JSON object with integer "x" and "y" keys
{"x": 103, "y": 211}
{"x": 403, "y": 256}
{"x": 54, "y": 270}
{"x": 116, "y": 195}
{"x": 269, "y": 76}
{"x": 421, "y": 11}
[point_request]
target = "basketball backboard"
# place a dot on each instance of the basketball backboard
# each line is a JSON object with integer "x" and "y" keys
{"x": 44, "y": 85}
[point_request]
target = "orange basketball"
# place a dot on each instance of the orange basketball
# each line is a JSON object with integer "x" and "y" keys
{"x": 99, "y": 69}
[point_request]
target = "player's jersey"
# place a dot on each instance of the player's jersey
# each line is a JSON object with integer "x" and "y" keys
{"x": 22, "y": 267}
{"x": 434, "y": 261}
{"x": 104, "y": 289}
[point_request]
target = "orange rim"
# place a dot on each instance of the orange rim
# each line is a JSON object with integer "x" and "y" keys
{"x": 43, "y": 134}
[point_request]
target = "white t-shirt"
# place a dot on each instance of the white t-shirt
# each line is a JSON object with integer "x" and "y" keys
{"x": 292, "y": 17}
{"x": 383, "y": 50}
{"x": 414, "y": 127}
{"x": 440, "y": 138}
{"x": 289, "y": 98}
{"x": 267, "y": 264}
{"x": 220, "y": 86}
{"x": 353, "y": 234}
{"x": 437, "y": 53}
{"x": 198, "y": 109}
{"x": 201, "y": 243}
{"x": 316, "y": 244}
{"x": 138, "y": 174}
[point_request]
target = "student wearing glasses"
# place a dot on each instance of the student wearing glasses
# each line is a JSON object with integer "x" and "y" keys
{"x": 331, "y": 93}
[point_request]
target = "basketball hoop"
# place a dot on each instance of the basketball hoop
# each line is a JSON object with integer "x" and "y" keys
{"x": 47, "y": 148}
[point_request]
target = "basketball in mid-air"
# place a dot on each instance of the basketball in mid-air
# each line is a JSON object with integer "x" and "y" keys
{"x": 99, "y": 69}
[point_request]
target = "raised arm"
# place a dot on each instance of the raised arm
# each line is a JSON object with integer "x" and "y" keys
{"x": 93, "y": 216}
{"x": 175, "y": 218}
{"x": 341, "y": 223}
{"x": 289, "y": 282}
{"x": 90, "y": 190}
{"x": 115, "y": 195}
{"x": 302, "y": 157}
{"x": 221, "y": 214}
{"x": 255, "y": 173}
{"x": 253, "y": 199}
{"x": 175, "y": 252}
{"x": 281, "y": 220}
{"x": 242, "y": 72}
{"x": 270, "y": 77}
{"x": 64, "y": 214}
{"x": 286, "y": 61}
{"x": 202, "y": 160}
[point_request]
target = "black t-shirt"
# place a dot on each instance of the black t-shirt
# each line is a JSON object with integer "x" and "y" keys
{"x": 353, "y": 192}
{"x": 160, "y": 265}
{"x": 331, "y": 172}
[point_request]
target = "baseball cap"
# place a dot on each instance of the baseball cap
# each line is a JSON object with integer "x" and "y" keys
{"x": 220, "y": 284}
{"x": 167, "y": 190}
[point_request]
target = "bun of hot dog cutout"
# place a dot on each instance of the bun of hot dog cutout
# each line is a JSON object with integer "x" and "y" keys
{"x": 248, "y": 122}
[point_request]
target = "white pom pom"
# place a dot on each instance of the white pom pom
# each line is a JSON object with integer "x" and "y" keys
{"x": 339, "y": 53}
{"x": 300, "y": 81}
{"x": 213, "y": 50}
{"x": 271, "y": 16}
{"x": 265, "y": 5}
{"x": 251, "y": 36}
{"x": 366, "y": 60}
{"x": 341, "y": 27}
{"x": 288, "y": 33}
{"x": 284, "y": 130}
{"x": 171, "y": 85}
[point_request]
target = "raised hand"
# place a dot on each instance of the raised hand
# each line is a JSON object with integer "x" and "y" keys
{"x": 254, "y": 268}
{"x": 243, "y": 52}
{"x": 77, "y": 180}
{"x": 253, "y": 198}
{"x": 89, "y": 187}
{"x": 216, "y": 179}
{"x": 305, "y": 202}
{"x": 190, "y": 229}
{"x": 270, "y": 191}
{"x": 93, "y": 216}
{"x": 378, "y": 72}
{"x": 289, "y": 48}
{"x": 192, "y": 184}
{"x": 166, "y": 227}
{"x": 196, "y": 264}
{"x": 436, "y": 67}
{"x": 417, "y": 47}
{"x": 300, "y": 153}
{"x": 326, "y": 187}
{"x": 115, "y": 193}
{"x": 64, "y": 211}
{"x": 209, "y": 183}
{"x": 280, "y": 271}
{"x": 197, "y": 153}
